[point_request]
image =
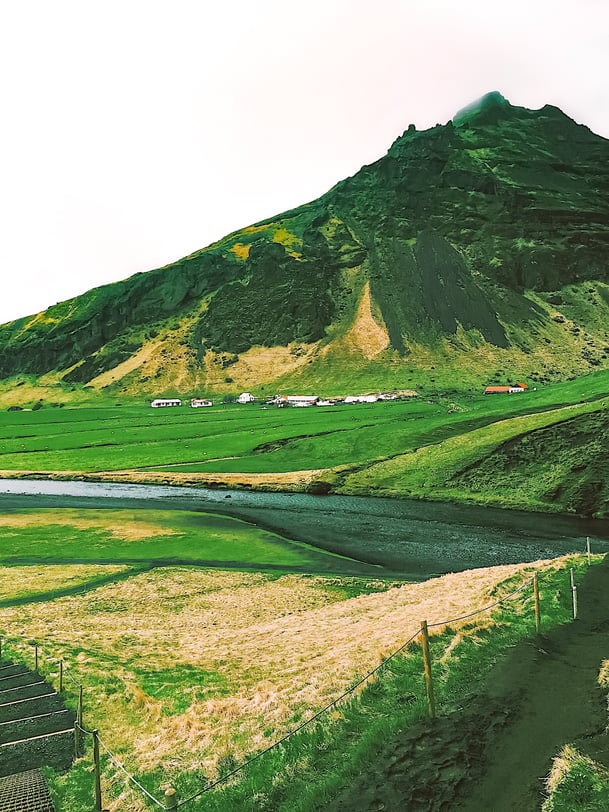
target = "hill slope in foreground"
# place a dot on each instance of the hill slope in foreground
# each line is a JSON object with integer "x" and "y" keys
{"x": 473, "y": 251}
{"x": 187, "y": 672}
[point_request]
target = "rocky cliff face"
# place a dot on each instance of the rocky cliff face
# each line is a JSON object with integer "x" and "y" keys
{"x": 488, "y": 233}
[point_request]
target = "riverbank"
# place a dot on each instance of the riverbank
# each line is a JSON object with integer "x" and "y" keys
{"x": 415, "y": 538}
{"x": 288, "y": 482}
{"x": 543, "y": 453}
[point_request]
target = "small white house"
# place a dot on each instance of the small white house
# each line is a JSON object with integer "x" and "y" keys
{"x": 196, "y": 403}
{"x": 161, "y": 403}
{"x": 246, "y": 397}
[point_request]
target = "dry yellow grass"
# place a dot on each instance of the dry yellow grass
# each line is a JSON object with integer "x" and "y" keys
{"x": 240, "y": 250}
{"x": 277, "y": 647}
{"x": 165, "y": 360}
{"x": 561, "y": 767}
{"x": 47, "y": 388}
{"x": 285, "y": 481}
{"x": 42, "y": 578}
{"x": 603, "y": 677}
{"x": 121, "y": 524}
{"x": 143, "y": 358}
{"x": 258, "y": 364}
{"x": 366, "y": 335}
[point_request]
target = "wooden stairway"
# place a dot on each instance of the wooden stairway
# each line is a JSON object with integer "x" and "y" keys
{"x": 36, "y": 729}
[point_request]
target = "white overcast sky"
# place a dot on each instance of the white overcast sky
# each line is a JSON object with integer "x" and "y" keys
{"x": 135, "y": 131}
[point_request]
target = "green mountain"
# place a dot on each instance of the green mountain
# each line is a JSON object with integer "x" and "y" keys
{"x": 472, "y": 252}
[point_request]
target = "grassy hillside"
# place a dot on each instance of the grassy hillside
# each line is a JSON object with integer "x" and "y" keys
{"x": 472, "y": 251}
{"x": 186, "y": 672}
{"x": 551, "y": 460}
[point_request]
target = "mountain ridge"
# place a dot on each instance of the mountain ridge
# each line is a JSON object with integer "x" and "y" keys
{"x": 472, "y": 250}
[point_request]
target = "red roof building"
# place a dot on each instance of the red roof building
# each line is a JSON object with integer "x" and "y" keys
{"x": 506, "y": 390}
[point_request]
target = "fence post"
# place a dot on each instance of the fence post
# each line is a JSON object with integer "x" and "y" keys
{"x": 78, "y": 724}
{"x": 171, "y": 798}
{"x": 537, "y": 609}
{"x": 573, "y": 594}
{"x": 98, "y": 795}
{"x": 0, "y": 648}
{"x": 431, "y": 705}
{"x": 61, "y": 676}
{"x": 36, "y": 657}
{"x": 588, "y": 549}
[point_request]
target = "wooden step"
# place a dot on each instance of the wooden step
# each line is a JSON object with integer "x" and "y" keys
{"x": 54, "y": 750}
{"x": 24, "y": 708}
{"x": 8, "y": 669}
{"x": 19, "y": 680}
{"x": 38, "y": 688}
{"x": 36, "y": 725}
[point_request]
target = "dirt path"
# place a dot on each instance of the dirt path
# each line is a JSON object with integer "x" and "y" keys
{"x": 495, "y": 752}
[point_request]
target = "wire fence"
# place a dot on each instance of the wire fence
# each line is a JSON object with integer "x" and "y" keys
{"x": 171, "y": 801}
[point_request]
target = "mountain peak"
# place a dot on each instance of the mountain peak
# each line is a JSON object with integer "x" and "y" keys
{"x": 433, "y": 246}
{"x": 492, "y": 105}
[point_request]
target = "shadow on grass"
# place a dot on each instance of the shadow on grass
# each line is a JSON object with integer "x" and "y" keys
{"x": 76, "y": 589}
{"x": 140, "y": 565}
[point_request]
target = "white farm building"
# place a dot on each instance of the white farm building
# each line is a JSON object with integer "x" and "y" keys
{"x": 295, "y": 400}
{"x": 160, "y": 403}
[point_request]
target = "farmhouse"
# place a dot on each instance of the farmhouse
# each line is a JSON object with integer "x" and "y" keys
{"x": 296, "y": 400}
{"x": 506, "y": 390}
{"x": 162, "y": 402}
{"x": 246, "y": 397}
{"x": 198, "y": 402}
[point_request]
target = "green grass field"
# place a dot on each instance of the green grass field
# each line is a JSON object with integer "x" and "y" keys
{"x": 118, "y": 539}
{"x": 374, "y": 445}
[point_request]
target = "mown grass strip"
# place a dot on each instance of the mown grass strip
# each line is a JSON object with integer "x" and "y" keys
{"x": 228, "y": 438}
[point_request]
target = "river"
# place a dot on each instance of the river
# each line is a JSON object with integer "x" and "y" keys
{"x": 415, "y": 539}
